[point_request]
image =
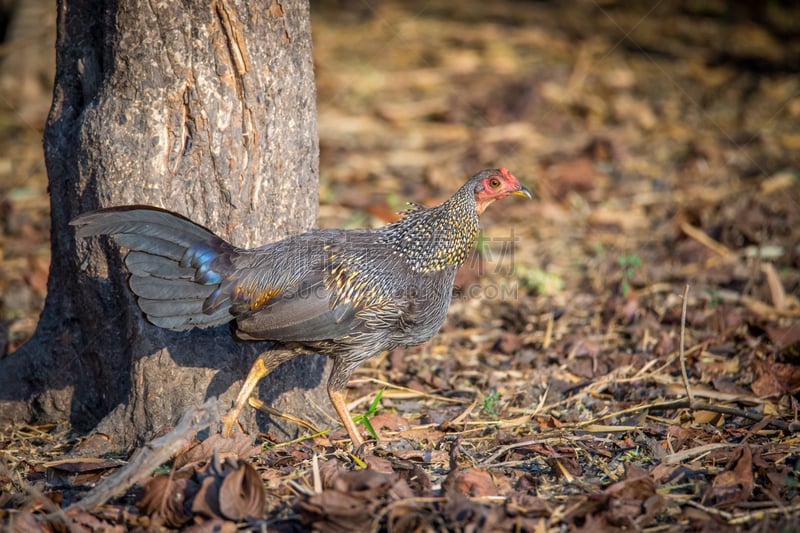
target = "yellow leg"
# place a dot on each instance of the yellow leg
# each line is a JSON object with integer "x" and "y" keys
{"x": 256, "y": 374}
{"x": 339, "y": 403}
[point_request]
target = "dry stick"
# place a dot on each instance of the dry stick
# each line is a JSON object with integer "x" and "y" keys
{"x": 412, "y": 393}
{"x": 710, "y": 510}
{"x": 684, "y": 404}
{"x": 317, "y": 475}
{"x": 548, "y": 332}
{"x": 776, "y": 290}
{"x": 680, "y": 457}
{"x": 146, "y": 459}
{"x": 486, "y": 463}
{"x": 671, "y": 404}
{"x": 689, "y": 393}
{"x": 264, "y": 408}
{"x": 761, "y": 514}
{"x": 703, "y": 238}
{"x": 54, "y": 512}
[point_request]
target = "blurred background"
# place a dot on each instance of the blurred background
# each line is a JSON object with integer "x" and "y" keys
{"x": 636, "y": 123}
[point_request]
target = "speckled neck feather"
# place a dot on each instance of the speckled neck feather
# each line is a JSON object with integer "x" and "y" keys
{"x": 438, "y": 237}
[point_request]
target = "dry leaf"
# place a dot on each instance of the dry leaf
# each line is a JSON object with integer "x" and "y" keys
{"x": 638, "y": 484}
{"x": 26, "y": 521}
{"x": 206, "y": 501}
{"x": 215, "y": 525}
{"x": 239, "y": 445}
{"x": 81, "y": 470}
{"x": 469, "y": 482}
{"x": 169, "y": 499}
{"x": 775, "y": 379}
{"x": 350, "y": 500}
{"x": 734, "y": 485}
{"x": 242, "y": 494}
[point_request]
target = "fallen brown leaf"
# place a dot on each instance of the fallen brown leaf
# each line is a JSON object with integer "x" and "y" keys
{"x": 242, "y": 494}
{"x": 349, "y": 500}
{"x": 463, "y": 514}
{"x": 215, "y": 525}
{"x": 26, "y": 521}
{"x": 231, "y": 489}
{"x": 81, "y": 470}
{"x": 733, "y": 485}
{"x": 776, "y": 379}
{"x": 469, "y": 482}
{"x": 167, "y": 499}
{"x": 239, "y": 445}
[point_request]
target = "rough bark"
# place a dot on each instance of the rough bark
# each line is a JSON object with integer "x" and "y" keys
{"x": 204, "y": 108}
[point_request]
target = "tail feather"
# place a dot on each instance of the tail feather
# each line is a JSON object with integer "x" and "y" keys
{"x": 184, "y": 322}
{"x": 175, "y": 264}
{"x": 152, "y": 245}
{"x": 145, "y": 264}
{"x": 167, "y": 308}
{"x": 169, "y": 289}
{"x": 141, "y": 221}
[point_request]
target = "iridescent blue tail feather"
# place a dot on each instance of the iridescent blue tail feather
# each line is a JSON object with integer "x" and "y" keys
{"x": 175, "y": 264}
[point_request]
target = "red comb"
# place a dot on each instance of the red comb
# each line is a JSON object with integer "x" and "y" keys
{"x": 506, "y": 173}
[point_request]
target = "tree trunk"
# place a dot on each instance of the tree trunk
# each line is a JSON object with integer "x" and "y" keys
{"x": 203, "y": 108}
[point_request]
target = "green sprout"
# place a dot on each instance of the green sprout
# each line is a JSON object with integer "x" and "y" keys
{"x": 373, "y": 408}
{"x": 490, "y": 403}
{"x": 540, "y": 281}
{"x": 629, "y": 264}
{"x": 714, "y": 298}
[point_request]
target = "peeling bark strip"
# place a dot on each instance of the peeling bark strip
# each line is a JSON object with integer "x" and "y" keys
{"x": 234, "y": 35}
{"x": 237, "y": 48}
{"x": 165, "y": 104}
{"x": 276, "y": 10}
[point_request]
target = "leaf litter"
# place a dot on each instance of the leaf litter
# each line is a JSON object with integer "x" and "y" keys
{"x": 663, "y": 147}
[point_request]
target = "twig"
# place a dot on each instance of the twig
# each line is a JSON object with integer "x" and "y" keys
{"x": 682, "y": 352}
{"x": 669, "y": 360}
{"x": 761, "y": 514}
{"x": 679, "y": 457}
{"x": 53, "y": 510}
{"x": 464, "y": 414}
{"x": 776, "y": 290}
{"x": 146, "y": 459}
{"x": 710, "y": 510}
{"x": 684, "y": 404}
{"x": 403, "y": 392}
{"x": 264, "y": 408}
{"x": 548, "y": 332}
{"x": 300, "y": 489}
{"x": 301, "y": 438}
{"x": 713, "y": 245}
{"x": 542, "y": 398}
{"x": 317, "y": 475}
{"x": 508, "y": 447}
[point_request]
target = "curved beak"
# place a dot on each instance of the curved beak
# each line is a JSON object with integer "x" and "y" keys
{"x": 522, "y": 191}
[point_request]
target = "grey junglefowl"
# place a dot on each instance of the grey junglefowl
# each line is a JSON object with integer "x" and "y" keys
{"x": 348, "y": 294}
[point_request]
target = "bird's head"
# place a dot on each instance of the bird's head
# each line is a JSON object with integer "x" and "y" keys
{"x": 495, "y": 184}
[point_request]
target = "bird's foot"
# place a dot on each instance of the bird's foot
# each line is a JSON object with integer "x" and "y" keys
{"x": 229, "y": 421}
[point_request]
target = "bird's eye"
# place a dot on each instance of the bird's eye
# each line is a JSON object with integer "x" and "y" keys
{"x": 494, "y": 183}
